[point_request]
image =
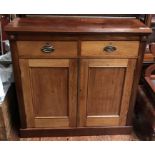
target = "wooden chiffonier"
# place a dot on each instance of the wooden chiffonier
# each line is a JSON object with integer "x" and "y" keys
{"x": 76, "y": 75}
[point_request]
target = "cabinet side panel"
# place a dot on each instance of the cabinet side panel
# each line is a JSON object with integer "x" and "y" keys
{"x": 127, "y": 91}
{"x": 137, "y": 75}
{"x": 17, "y": 76}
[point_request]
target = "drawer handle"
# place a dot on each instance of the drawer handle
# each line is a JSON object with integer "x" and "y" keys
{"x": 47, "y": 48}
{"x": 110, "y": 48}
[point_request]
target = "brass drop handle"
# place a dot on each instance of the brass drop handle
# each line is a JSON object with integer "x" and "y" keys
{"x": 47, "y": 48}
{"x": 110, "y": 48}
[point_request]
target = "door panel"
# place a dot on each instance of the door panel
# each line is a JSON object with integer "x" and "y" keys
{"x": 107, "y": 81}
{"x": 105, "y": 88}
{"x": 51, "y": 87}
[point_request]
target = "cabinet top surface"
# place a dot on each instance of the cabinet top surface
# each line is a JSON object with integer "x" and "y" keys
{"x": 77, "y": 25}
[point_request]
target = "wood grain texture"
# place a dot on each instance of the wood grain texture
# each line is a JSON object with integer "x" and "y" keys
{"x": 103, "y": 121}
{"x": 106, "y": 90}
{"x": 51, "y": 92}
{"x": 2, "y": 126}
{"x": 108, "y": 63}
{"x": 48, "y": 63}
{"x": 105, "y": 86}
{"x": 127, "y": 90}
{"x": 80, "y": 131}
{"x": 75, "y": 37}
{"x": 26, "y": 88}
{"x": 136, "y": 81}
{"x": 73, "y": 98}
{"x": 33, "y": 49}
{"x": 77, "y": 25}
{"x": 48, "y": 122}
{"x": 17, "y": 78}
{"x": 130, "y": 137}
{"x": 125, "y": 49}
{"x": 83, "y": 80}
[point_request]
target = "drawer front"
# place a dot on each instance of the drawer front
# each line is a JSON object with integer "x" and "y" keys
{"x": 47, "y": 49}
{"x": 124, "y": 49}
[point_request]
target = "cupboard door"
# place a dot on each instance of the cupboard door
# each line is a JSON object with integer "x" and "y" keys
{"x": 50, "y": 92}
{"x": 105, "y": 90}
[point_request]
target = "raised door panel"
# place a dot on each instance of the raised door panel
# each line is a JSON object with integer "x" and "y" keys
{"x": 50, "y": 92}
{"x": 105, "y": 88}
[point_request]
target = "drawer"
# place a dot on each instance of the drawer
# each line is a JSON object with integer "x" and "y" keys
{"x": 125, "y": 49}
{"x": 46, "y": 49}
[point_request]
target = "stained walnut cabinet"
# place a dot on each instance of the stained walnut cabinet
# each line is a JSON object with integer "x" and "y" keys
{"x": 76, "y": 75}
{"x": 50, "y": 91}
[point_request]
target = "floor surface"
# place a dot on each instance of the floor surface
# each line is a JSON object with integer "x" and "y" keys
{"x": 131, "y": 137}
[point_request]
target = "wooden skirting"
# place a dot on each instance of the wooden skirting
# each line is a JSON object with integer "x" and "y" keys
{"x": 30, "y": 132}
